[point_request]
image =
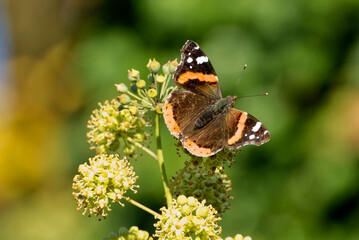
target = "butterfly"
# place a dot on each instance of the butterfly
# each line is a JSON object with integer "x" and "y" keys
{"x": 199, "y": 116}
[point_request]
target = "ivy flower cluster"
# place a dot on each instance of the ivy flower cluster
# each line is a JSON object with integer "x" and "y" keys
{"x": 204, "y": 183}
{"x": 115, "y": 122}
{"x": 106, "y": 178}
{"x": 187, "y": 218}
{"x": 149, "y": 94}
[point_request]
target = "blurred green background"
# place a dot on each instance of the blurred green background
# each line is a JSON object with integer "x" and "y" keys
{"x": 59, "y": 58}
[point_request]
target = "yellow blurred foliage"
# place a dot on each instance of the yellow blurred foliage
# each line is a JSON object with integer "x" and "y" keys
{"x": 41, "y": 94}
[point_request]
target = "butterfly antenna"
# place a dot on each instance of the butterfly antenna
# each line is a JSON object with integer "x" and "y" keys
{"x": 240, "y": 76}
{"x": 255, "y": 95}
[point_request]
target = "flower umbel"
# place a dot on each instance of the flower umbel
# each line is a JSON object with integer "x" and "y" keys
{"x": 115, "y": 121}
{"x": 153, "y": 92}
{"x": 105, "y": 179}
{"x": 187, "y": 218}
{"x": 203, "y": 182}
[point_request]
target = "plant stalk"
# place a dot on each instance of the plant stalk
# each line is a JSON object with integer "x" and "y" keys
{"x": 139, "y": 145}
{"x": 161, "y": 162}
{"x": 139, "y": 205}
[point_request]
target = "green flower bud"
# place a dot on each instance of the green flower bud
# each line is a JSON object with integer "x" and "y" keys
{"x": 133, "y": 110}
{"x": 153, "y": 65}
{"x": 113, "y": 236}
{"x": 133, "y": 75}
{"x": 173, "y": 66}
{"x": 181, "y": 200}
{"x": 152, "y": 93}
{"x": 202, "y": 212}
{"x": 131, "y": 237}
{"x": 238, "y": 237}
{"x": 159, "y": 108}
{"x": 133, "y": 234}
{"x": 186, "y": 210}
{"x": 124, "y": 99}
{"x": 160, "y": 79}
{"x": 139, "y": 137}
{"x": 129, "y": 150}
{"x": 143, "y": 235}
{"x": 134, "y": 88}
{"x": 150, "y": 78}
{"x": 166, "y": 68}
{"x": 121, "y": 88}
{"x": 191, "y": 201}
{"x": 123, "y": 231}
{"x": 120, "y": 107}
{"x": 133, "y": 230}
{"x": 141, "y": 83}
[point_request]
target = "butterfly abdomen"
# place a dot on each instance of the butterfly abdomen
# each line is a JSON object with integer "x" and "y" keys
{"x": 203, "y": 119}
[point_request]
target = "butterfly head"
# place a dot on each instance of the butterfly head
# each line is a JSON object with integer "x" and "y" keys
{"x": 224, "y": 103}
{"x": 229, "y": 101}
{"x": 232, "y": 100}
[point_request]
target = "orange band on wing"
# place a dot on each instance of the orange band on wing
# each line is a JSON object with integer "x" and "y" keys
{"x": 240, "y": 127}
{"x": 193, "y": 148}
{"x": 169, "y": 119}
{"x": 185, "y": 77}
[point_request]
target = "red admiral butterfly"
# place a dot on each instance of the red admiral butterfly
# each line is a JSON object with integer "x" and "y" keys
{"x": 203, "y": 120}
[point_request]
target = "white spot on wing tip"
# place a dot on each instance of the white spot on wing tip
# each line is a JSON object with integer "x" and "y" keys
{"x": 202, "y": 59}
{"x": 257, "y": 127}
{"x": 251, "y": 137}
{"x": 189, "y": 60}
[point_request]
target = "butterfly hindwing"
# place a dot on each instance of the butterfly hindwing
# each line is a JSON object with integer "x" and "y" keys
{"x": 244, "y": 129}
{"x": 181, "y": 111}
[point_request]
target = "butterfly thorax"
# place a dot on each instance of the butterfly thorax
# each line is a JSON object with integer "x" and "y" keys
{"x": 214, "y": 110}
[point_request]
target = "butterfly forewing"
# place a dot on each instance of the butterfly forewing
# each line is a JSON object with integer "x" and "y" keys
{"x": 196, "y": 73}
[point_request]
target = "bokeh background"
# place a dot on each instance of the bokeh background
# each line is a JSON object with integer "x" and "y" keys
{"x": 59, "y": 58}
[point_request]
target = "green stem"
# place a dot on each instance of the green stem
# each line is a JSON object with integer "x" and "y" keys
{"x": 165, "y": 84}
{"x": 139, "y": 205}
{"x": 140, "y": 99}
{"x": 139, "y": 145}
{"x": 156, "y": 85}
{"x": 161, "y": 162}
{"x": 179, "y": 176}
